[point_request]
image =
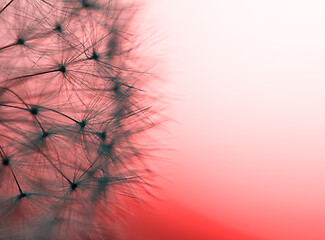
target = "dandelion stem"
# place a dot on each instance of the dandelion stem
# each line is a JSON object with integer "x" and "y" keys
{"x": 56, "y": 168}
{"x": 16, "y": 180}
{"x": 6, "y": 6}
{"x": 62, "y": 114}
{"x": 11, "y": 106}
{"x": 34, "y": 74}
{"x": 9, "y": 90}
{"x": 2, "y": 152}
{"x": 7, "y": 46}
{"x": 28, "y": 109}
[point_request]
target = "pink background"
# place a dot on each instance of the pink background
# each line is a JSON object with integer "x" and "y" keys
{"x": 247, "y": 93}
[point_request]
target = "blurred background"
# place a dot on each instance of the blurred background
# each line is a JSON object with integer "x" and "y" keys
{"x": 246, "y": 83}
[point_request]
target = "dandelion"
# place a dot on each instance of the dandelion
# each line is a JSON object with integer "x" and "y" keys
{"x": 71, "y": 114}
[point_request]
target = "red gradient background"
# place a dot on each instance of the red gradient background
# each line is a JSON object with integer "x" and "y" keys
{"x": 246, "y": 90}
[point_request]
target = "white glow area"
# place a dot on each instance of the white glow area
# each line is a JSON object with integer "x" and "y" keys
{"x": 251, "y": 76}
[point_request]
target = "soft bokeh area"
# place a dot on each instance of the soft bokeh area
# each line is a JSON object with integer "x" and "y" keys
{"x": 247, "y": 84}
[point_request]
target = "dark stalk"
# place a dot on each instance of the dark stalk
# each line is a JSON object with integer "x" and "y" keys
{"x": 18, "y": 185}
{"x": 6, "y": 6}
{"x": 35, "y": 74}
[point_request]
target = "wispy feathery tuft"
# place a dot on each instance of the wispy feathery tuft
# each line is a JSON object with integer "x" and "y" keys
{"x": 71, "y": 118}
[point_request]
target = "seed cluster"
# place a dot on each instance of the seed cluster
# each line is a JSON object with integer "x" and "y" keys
{"x": 72, "y": 116}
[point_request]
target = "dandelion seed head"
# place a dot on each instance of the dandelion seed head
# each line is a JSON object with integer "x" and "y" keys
{"x": 94, "y": 56}
{"x": 21, "y": 195}
{"x": 73, "y": 186}
{"x": 20, "y": 41}
{"x": 58, "y": 28}
{"x": 85, "y": 4}
{"x": 71, "y": 118}
{"x": 102, "y": 135}
{"x": 5, "y": 161}
{"x": 45, "y": 134}
{"x": 62, "y": 69}
{"x": 34, "y": 110}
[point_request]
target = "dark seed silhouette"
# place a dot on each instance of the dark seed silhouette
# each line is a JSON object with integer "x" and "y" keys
{"x": 72, "y": 118}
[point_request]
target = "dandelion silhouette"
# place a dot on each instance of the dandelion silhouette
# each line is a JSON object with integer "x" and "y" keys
{"x": 71, "y": 114}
